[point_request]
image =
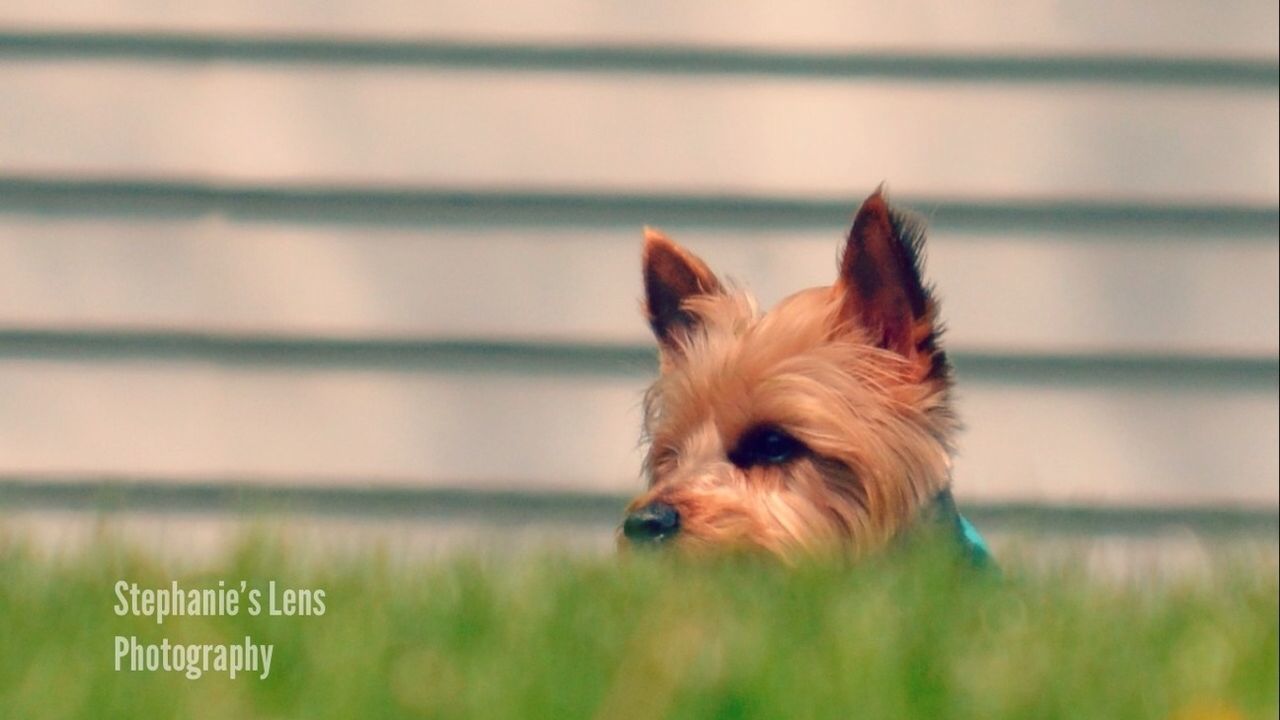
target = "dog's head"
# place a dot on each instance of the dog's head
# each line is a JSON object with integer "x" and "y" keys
{"x": 823, "y": 425}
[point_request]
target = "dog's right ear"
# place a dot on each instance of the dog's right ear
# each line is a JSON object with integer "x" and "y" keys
{"x": 672, "y": 275}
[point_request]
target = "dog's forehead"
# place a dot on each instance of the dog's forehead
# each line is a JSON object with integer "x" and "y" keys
{"x": 736, "y": 335}
{"x": 816, "y": 305}
{"x": 736, "y": 353}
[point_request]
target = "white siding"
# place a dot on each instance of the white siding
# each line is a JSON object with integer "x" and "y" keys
{"x": 1242, "y": 28}
{"x": 149, "y": 151}
{"x": 1051, "y": 292}
{"x": 792, "y": 137}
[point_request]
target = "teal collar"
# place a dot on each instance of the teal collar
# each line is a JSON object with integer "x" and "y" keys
{"x": 942, "y": 513}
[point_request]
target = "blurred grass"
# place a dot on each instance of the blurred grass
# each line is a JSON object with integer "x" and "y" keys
{"x": 551, "y": 636}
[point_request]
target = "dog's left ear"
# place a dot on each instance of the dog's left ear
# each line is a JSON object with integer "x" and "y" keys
{"x": 881, "y": 288}
{"x": 672, "y": 275}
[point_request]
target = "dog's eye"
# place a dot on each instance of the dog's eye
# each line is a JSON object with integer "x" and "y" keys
{"x": 765, "y": 445}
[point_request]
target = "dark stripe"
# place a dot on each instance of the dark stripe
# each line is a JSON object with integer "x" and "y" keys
{"x": 247, "y": 495}
{"x": 652, "y": 59}
{"x": 1135, "y": 370}
{"x": 238, "y": 495}
{"x": 417, "y": 207}
{"x": 577, "y": 359}
{"x": 394, "y": 355}
{"x": 1034, "y": 517}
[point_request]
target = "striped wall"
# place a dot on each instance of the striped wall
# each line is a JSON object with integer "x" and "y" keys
{"x": 394, "y": 245}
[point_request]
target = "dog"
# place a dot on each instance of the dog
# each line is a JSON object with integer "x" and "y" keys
{"x": 823, "y": 426}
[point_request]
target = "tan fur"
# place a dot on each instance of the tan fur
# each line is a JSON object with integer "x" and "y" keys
{"x": 879, "y": 433}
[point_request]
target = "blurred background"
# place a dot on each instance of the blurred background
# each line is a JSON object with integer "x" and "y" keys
{"x": 372, "y": 267}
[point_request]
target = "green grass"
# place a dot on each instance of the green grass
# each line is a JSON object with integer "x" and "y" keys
{"x": 559, "y": 637}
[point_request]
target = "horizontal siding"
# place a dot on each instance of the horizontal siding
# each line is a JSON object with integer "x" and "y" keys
{"x": 408, "y": 355}
{"x": 1075, "y": 293}
{"x": 483, "y": 129}
{"x": 686, "y": 60}
{"x": 126, "y": 499}
{"x": 500, "y": 428}
{"x": 391, "y": 247}
{"x": 1242, "y": 28}
{"x": 330, "y": 203}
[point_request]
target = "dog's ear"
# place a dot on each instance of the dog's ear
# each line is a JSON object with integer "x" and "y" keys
{"x": 880, "y": 284}
{"x": 672, "y": 275}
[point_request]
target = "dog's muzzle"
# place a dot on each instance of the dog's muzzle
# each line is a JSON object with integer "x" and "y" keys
{"x": 652, "y": 524}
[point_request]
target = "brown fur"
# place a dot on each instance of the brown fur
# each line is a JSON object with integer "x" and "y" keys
{"x": 853, "y": 371}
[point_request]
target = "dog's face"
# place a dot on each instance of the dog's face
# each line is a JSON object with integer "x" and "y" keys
{"x": 822, "y": 426}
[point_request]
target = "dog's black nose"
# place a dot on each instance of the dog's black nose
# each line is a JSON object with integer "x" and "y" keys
{"x": 652, "y": 524}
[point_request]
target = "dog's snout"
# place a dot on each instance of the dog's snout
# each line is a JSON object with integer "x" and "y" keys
{"x": 652, "y": 524}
